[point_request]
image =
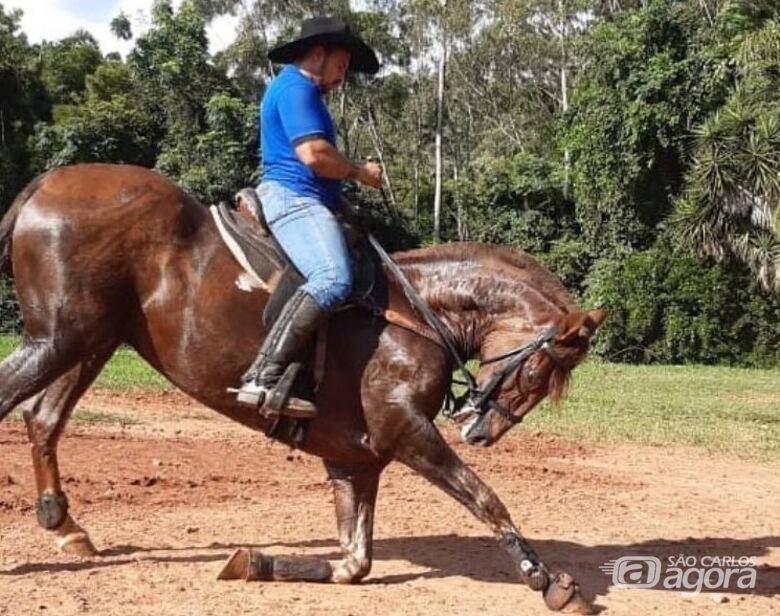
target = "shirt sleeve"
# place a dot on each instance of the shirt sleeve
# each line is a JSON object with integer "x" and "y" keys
{"x": 301, "y": 112}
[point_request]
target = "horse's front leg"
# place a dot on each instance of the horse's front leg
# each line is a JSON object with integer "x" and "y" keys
{"x": 355, "y": 491}
{"x": 426, "y": 452}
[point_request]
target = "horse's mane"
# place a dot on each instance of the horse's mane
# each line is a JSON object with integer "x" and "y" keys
{"x": 512, "y": 270}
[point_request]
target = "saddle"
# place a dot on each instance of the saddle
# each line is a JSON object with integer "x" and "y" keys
{"x": 244, "y": 230}
{"x": 246, "y": 234}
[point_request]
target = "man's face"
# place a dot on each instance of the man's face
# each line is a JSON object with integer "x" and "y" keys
{"x": 334, "y": 68}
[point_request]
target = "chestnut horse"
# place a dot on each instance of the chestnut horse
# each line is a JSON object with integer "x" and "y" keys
{"x": 110, "y": 254}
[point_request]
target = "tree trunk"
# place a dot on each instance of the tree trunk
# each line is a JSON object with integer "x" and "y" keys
{"x": 419, "y": 121}
{"x": 344, "y": 120}
{"x": 260, "y": 24}
{"x": 417, "y": 158}
{"x": 460, "y": 219}
{"x": 439, "y": 122}
{"x": 564, "y": 94}
{"x": 379, "y": 149}
{"x": 707, "y": 12}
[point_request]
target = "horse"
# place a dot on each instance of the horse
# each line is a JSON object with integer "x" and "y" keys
{"x": 103, "y": 255}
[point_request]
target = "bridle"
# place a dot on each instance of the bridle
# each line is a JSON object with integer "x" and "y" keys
{"x": 478, "y": 400}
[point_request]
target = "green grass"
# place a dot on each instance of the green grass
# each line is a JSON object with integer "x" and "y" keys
{"x": 87, "y": 416}
{"x": 125, "y": 370}
{"x": 730, "y": 411}
{"x": 7, "y": 344}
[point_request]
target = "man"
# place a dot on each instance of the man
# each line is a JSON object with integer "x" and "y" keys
{"x": 301, "y": 190}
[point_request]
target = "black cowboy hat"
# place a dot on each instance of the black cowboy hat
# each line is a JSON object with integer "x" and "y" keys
{"x": 328, "y": 31}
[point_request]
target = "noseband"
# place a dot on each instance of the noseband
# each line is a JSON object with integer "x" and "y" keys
{"x": 477, "y": 400}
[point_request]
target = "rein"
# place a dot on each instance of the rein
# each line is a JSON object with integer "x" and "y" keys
{"x": 477, "y": 399}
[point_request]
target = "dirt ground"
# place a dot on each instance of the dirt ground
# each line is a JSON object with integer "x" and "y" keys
{"x": 168, "y": 492}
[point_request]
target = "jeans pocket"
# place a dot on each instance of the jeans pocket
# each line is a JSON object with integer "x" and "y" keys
{"x": 274, "y": 199}
{"x": 298, "y": 207}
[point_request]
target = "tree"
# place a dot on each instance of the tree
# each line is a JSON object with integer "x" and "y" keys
{"x": 170, "y": 63}
{"x": 731, "y": 208}
{"x": 224, "y": 156}
{"x": 22, "y": 102}
{"x": 64, "y": 66}
{"x": 668, "y": 307}
{"x": 112, "y": 130}
{"x": 121, "y": 28}
{"x": 648, "y": 77}
{"x": 176, "y": 83}
{"x": 107, "y": 124}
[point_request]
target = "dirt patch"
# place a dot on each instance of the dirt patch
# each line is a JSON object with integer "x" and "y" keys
{"x": 169, "y": 493}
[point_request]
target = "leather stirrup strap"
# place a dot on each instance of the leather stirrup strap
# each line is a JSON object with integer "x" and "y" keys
{"x": 320, "y": 351}
{"x": 396, "y": 318}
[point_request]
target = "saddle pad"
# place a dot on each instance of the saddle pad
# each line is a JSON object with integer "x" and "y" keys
{"x": 264, "y": 260}
{"x": 255, "y": 253}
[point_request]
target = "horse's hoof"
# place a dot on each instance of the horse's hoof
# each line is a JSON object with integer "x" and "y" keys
{"x": 237, "y": 566}
{"x": 578, "y": 604}
{"x": 77, "y": 544}
{"x": 563, "y": 594}
{"x": 250, "y": 565}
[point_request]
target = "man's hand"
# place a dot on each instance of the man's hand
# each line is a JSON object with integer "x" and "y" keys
{"x": 322, "y": 158}
{"x": 370, "y": 174}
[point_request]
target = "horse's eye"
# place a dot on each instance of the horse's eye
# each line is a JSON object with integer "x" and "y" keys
{"x": 526, "y": 378}
{"x": 529, "y": 377}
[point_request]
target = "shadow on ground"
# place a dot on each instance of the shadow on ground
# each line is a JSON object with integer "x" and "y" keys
{"x": 476, "y": 558}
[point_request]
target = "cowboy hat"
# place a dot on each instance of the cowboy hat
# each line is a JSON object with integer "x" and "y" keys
{"x": 327, "y": 31}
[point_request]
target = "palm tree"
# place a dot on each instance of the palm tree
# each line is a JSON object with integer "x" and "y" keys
{"x": 731, "y": 207}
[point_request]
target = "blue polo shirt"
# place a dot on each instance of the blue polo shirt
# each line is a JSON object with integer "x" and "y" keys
{"x": 293, "y": 110}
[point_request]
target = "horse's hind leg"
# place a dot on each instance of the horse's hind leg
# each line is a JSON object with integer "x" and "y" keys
{"x": 45, "y": 423}
{"x": 355, "y": 490}
{"x": 32, "y": 366}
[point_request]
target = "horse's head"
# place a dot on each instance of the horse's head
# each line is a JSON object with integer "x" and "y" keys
{"x": 546, "y": 371}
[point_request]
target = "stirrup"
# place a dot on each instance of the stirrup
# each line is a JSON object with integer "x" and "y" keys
{"x": 277, "y": 400}
{"x": 250, "y": 393}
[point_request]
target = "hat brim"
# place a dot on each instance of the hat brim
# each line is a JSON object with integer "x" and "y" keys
{"x": 363, "y": 59}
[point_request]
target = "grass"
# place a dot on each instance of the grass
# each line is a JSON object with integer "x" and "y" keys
{"x": 128, "y": 371}
{"x": 125, "y": 370}
{"x": 87, "y": 416}
{"x": 729, "y": 411}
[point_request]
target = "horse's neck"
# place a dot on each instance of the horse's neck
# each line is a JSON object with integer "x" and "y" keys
{"x": 486, "y": 299}
{"x": 457, "y": 296}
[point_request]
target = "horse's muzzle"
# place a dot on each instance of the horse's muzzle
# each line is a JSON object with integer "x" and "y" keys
{"x": 476, "y": 431}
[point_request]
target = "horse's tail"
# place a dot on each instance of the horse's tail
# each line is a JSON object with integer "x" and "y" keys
{"x": 8, "y": 223}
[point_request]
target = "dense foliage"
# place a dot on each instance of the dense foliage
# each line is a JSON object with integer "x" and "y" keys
{"x": 672, "y": 308}
{"x": 634, "y": 147}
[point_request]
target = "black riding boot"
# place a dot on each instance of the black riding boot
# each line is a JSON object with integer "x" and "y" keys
{"x": 292, "y": 330}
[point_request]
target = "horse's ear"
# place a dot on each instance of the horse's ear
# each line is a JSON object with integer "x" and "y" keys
{"x": 581, "y": 325}
{"x": 593, "y": 320}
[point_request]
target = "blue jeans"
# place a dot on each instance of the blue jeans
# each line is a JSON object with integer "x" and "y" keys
{"x": 313, "y": 240}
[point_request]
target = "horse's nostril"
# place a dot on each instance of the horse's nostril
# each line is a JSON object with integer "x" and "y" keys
{"x": 478, "y": 441}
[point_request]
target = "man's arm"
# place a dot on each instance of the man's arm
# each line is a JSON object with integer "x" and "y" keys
{"x": 327, "y": 162}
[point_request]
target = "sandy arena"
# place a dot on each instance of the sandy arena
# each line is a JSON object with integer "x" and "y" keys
{"x": 169, "y": 489}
